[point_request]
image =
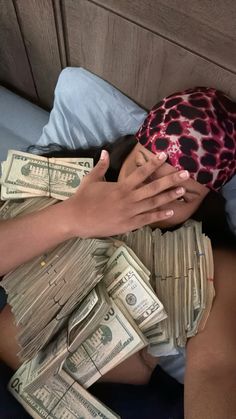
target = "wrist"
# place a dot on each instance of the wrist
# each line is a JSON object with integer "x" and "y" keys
{"x": 64, "y": 220}
{"x": 70, "y": 218}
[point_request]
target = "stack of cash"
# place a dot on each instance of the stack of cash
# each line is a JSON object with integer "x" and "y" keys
{"x": 118, "y": 317}
{"x": 128, "y": 280}
{"x": 26, "y": 175}
{"x": 183, "y": 271}
{"x": 102, "y": 343}
{"x": 60, "y": 397}
{"x": 88, "y": 305}
{"x": 108, "y": 335}
{"x": 184, "y": 283}
{"x": 44, "y": 292}
{"x": 127, "y": 283}
{"x": 141, "y": 242}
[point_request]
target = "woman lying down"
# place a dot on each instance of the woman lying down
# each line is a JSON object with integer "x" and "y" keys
{"x": 182, "y": 155}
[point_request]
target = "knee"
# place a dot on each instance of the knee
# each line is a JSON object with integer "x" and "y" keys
{"x": 8, "y": 342}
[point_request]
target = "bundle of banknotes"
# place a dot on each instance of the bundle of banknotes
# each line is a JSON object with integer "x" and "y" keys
{"x": 26, "y": 175}
{"x": 88, "y": 305}
{"x": 59, "y": 397}
{"x": 182, "y": 277}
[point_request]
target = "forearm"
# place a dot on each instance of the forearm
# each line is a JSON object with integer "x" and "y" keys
{"x": 28, "y": 236}
{"x": 97, "y": 209}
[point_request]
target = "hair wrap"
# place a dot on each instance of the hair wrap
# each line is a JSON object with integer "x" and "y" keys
{"x": 197, "y": 130}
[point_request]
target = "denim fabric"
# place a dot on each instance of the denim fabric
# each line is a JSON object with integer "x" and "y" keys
{"x": 3, "y": 298}
{"x": 9, "y": 407}
{"x": 161, "y": 398}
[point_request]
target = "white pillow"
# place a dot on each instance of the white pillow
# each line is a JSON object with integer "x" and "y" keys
{"x": 88, "y": 112}
{"x": 21, "y": 122}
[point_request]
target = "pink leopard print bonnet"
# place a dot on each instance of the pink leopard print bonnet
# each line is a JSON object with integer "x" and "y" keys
{"x": 197, "y": 130}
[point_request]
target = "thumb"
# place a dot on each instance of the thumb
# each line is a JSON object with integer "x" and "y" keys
{"x": 99, "y": 171}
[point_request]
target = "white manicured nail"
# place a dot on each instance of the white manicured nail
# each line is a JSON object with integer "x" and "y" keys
{"x": 162, "y": 156}
{"x": 184, "y": 175}
{"x": 103, "y": 155}
{"x": 179, "y": 191}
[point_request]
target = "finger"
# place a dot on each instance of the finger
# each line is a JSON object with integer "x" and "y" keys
{"x": 99, "y": 171}
{"x": 157, "y": 186}
{"x": 151, "y": 218}
{"x": 158, "y": 201}
{"x": 140, "y": 174}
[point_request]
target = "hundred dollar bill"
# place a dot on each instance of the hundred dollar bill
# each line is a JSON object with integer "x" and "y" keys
{"x": 138, "y": 298}
{"x": 59, "y": 397}
{"x": 25, "y": 173}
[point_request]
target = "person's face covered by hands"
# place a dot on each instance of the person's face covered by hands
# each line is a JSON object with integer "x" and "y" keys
{"x": 196, "y": 130}
{"x": 184, "y": 206}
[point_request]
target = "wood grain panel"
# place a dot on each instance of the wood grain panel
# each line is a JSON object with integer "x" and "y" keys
{"x": 60, "y": 31}
{"x": 207, "y": 27}
{"x": 38, "y": 27}
{"x": 14, "y": 66}
{"x": 141, "y": 64}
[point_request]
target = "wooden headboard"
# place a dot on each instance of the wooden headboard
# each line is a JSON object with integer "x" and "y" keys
{"x": 146, "y": 48}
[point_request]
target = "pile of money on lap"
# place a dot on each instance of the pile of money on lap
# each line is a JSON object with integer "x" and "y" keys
{"x": 89, "y": 304}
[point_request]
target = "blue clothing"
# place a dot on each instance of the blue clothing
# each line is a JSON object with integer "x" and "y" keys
{"x": 3, "y": 298}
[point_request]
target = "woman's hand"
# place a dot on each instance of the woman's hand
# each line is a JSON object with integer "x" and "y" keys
{"x": 100, "y": 208}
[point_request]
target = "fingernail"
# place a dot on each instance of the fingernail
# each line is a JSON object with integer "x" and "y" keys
{"x": 169, "y": 213}
{"x": 184, "y": 174}
{"x": 162, "y": 156}
{"x": 103, "y": 155}
{"x": 179, "y": 191}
